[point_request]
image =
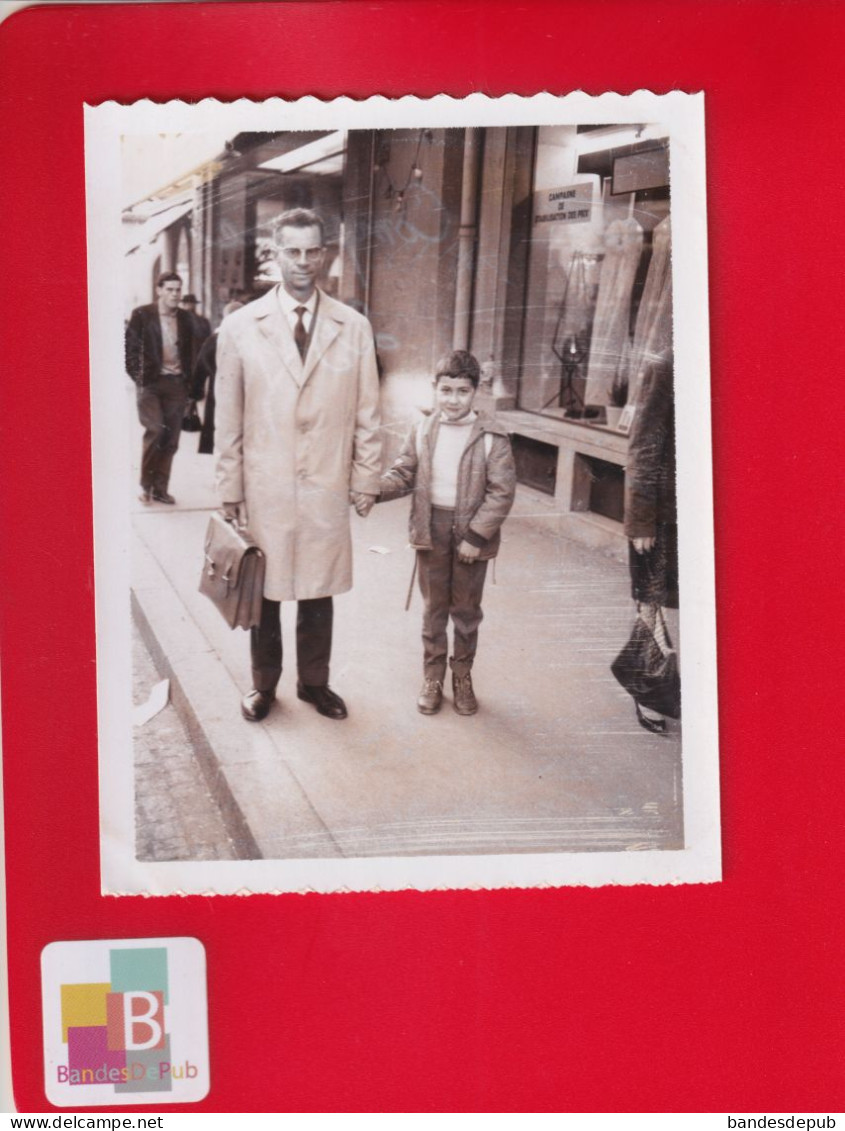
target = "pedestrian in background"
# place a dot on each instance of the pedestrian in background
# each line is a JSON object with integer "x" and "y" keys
{"x": 159, "y": 345}
{"x": 201, "y": 325}
{"x": 298, "y": 438}
{"x": 459, "y": 468}
{"x": 205, "y": 371}
{"x": 651, "y": 519}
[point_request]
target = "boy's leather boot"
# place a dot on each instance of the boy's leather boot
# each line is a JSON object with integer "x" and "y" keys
{"x": 462, "y": 692}
{"x": 430, "y": 697}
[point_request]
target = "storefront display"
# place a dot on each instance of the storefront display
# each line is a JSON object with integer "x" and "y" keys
{"x": 598, "y": 292}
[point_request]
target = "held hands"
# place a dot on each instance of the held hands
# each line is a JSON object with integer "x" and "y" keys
{"x": 468, "y": 553}
{"x": 643, "y": 545}
{"x": 363, "y": 503}
{"x": 236, "y": 512}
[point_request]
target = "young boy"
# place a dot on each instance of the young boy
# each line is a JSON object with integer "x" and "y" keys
{"x": 460, "y": 469}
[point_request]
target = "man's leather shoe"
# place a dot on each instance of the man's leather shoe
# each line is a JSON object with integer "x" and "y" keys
{"x": 256, "y": 706}
{"x": 326, "y": 701}
{"x": 145, "y": 496}
{"x": 162, "y": 497}
{"x": 430, "y": 697}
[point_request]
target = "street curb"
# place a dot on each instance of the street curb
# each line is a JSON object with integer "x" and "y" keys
{"x": 237, "y": 828}
{"x": 386, "y": 786}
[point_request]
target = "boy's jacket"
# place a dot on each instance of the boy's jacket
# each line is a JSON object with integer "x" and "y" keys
{"x": 486, "y": 483}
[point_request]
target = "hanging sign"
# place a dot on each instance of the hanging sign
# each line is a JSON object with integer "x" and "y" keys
{"x": 570, "y": 204}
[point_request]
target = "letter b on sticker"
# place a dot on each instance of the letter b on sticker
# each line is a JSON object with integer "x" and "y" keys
{"x": 143, "y": 1020}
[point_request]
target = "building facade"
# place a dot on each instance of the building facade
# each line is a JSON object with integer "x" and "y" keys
{"x": 544, "y": 250}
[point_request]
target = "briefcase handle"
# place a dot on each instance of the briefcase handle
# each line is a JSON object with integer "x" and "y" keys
{"x": 230, "y": 563}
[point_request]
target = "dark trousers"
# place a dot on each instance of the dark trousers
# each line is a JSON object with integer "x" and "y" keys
{"x": 313, "y": 643}
{"x": 161, "y": 406}
{"x": 449, "y": 588}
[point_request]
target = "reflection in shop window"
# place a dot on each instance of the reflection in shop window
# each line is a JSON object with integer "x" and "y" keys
{"x": 598, "y": 296}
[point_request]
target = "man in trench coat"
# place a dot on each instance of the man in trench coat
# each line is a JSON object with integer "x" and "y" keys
{"x": 298, "y": 440}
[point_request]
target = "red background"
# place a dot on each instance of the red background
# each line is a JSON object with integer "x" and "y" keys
{"x": 725, "y": 997}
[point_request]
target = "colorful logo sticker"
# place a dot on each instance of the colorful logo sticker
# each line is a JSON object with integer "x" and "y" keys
{"x": 125, "y": 1021}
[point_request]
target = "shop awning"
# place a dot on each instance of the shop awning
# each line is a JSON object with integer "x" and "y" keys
{"x": 140, "y": 230}
{"x": 324, "y": 155}
{"x": 153, "y": 165}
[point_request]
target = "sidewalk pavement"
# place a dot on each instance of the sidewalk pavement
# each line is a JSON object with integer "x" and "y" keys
{"x": 175, "y": 816}
{"x": 553, "y": 762}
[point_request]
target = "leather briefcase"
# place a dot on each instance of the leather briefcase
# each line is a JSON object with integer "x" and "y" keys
{"x": 233, "y": 572}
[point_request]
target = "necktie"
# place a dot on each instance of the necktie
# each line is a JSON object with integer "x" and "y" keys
{"x": 300, "y": 335}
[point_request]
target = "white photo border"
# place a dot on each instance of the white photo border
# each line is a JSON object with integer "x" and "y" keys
{"x": 699, "y": 861}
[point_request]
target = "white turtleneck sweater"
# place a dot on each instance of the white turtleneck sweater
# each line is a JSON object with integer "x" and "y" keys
{"x": 452, "y": 438}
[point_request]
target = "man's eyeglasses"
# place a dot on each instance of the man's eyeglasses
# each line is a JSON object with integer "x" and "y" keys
{"x": 312, "y": 254}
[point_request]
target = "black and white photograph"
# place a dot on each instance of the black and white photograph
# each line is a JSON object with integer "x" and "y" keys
{"x": 402, "y": 493}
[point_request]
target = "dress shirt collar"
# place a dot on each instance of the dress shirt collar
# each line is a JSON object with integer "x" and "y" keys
{"x": 288, "y": 304}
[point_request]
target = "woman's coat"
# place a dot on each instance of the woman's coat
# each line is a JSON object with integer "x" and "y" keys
{"x": 294, "y": 438}
{"x": 650, "y": 490}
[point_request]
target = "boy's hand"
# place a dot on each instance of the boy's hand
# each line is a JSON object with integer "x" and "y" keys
{"x": 363, "y": 503}
{"x": 467, "y": 552}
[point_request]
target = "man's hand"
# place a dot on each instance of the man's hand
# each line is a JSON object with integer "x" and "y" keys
{"x": 468, "y": 553}
{"x": 236, "y": 512}
{"x": 643, "y": 545}
{"x": 363, "y": 503}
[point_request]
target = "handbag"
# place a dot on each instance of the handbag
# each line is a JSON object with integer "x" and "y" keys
{"x": 648, "y": 674}
{"x": 191, "y": 420}
{"x": 233, "y": 572}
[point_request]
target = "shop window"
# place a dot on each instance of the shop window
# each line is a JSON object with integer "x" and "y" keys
{"x": 598, "y": 487}
{"x": 598, "y": 289}
{"x": 536, "y": 463}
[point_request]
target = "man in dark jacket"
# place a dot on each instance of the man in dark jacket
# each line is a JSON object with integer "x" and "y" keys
{"x": 159, "y": 357}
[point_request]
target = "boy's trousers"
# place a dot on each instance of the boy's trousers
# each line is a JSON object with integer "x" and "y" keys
{"x": 449, "y": 588}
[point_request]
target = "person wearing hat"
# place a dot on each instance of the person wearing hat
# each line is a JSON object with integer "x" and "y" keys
{"x": 205, "y": 371}
{"x": 202, "y": 326}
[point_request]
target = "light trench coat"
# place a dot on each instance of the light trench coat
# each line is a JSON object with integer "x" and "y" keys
{"x": 294, "y": 438}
